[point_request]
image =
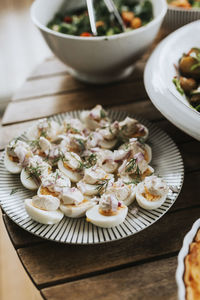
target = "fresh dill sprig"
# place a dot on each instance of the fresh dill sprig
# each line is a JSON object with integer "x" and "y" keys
{"x": 102, "y": 185}
{"x": 131, "y": 165}
{"x": 90, "y": 161}
{"x": 14, "y": 191}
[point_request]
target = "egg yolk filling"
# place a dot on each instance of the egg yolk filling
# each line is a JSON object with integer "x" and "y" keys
{"x": 147, "y": 195}
{"x": 67, "y": 167}
{"x": 109, "y": 213}
{"x": 46, "y": 191}
{"x": 13, "y": 158}
{"x": 146, "y": 156}
{"x": 74, "y": 205}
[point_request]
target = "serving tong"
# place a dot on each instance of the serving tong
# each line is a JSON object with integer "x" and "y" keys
{"x": 111, "y": 8}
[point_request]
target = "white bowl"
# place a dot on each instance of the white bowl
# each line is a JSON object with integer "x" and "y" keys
{"x": 96, "y": 59}
{"x": 159, "y": 73}
{"x": 177, "y": 17}
{"x": 181, "y": 259}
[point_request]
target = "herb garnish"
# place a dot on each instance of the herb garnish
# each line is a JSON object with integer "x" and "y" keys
{"x": 81, "y": 143}
{"x": 102, "y": 185}
{"x": 90, "y": 161}
{"x": 13, "y": 191}
{"x": 102, "y": 114}
{"x": 34, "y": 171}
{"x": 197, "y": 58}
{"x": 177, "y": 83}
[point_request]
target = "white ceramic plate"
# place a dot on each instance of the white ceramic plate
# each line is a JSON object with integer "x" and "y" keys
{"x": 181, "y": 259}
{"x": 159, "y": 73}
{"x": 167, "y": 163}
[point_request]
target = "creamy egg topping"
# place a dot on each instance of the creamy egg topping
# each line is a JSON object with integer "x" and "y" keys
{"x": 108, "y": 205}
{"x": 19, "y": 151}
{"x": 154, "y": 188}
{"x": 78, "y": 161}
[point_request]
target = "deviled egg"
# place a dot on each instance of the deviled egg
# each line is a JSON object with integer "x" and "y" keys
{"x": 71, "y": 166}
{"x": 124, "y": 192}
{"x": 44, "y": 210}
{"x": 131, "y": 128}
{"x": 95, "y": 118}
{"x": 17, "y": 155}
{"x": 73, "y": 204}
{"x": 108, "y": 213}
{"x": 46, "y": 128}
{"x": 152, "y": 192}
{"x": 32, "y": 174}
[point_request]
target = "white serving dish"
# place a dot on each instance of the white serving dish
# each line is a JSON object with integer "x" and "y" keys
{"x": 96, "y": 59}
{"x": 188, "y": 239}
{"x": 177, "y": 17}
{"x": 159, "y": 73}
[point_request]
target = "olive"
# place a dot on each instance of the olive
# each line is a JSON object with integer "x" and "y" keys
{"x": 195, "y": 99}
{"x": 188, "y": 84}
{"x": 185, "y": 66}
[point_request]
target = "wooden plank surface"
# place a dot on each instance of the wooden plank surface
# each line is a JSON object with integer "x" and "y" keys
{"x": 18, "y": 236}
{"x": 127, "y": 284}
{"x": 135, "y": 283}
{"x": 106, "y": 95}
{"x": 71, "y": 262}
{"x": 60, "y": 83}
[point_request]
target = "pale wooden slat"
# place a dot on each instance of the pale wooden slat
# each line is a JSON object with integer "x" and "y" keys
{"x": 70, "y": 262}
{"x": 60, "y": 83}
{"x": 187, "y": 199}
{"x": 7, "y": 133}
{"x": 153, "y": 280}
{"x": 107, "y": 95}
{"x": 18, "y": 236}
{"x": 50, "y": 67}
{"x": 47, "y": 86}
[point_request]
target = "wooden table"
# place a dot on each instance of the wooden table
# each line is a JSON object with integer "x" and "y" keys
{"x": 139, "y": 267}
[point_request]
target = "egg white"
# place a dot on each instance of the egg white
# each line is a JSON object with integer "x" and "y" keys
{"x": 89, "y": 189}
{"x": 27, "y": 181}
{"x": 46, "y": 196}
{"x": 146, "y": 204}
{"x": 100, "y": 220}
{"x": 11, "y": 166}
{"x": 149, "y": 152}
{"x": 43, "y": 216}
{"x": 107, "y": 144}
{"x": 74, "y": 176}
{"x": 76, "y": 211}
{"x": 130, "y": 199}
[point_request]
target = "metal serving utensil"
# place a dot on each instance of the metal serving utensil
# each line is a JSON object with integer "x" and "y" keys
{"x": 91, "y": 15}
{"x": 113, "y": 9}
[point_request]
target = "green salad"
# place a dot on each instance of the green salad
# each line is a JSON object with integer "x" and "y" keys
{"x": 135, "y": 13}
{"x": 185, "y": 3}
{"x": 187, "y": 81}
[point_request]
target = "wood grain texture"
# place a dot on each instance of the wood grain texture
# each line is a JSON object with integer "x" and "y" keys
{"x": 49, "y": 67}
{"x": 131, "y": 283}
{"x": 63, "y": 83}
{"x": 18, "y": 236}
{"x": 107, "y": 95}
{"x": 71, "y": 262}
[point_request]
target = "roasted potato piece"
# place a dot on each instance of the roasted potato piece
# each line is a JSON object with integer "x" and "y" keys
{"x": 188, "y": 84}
{"x": 185, "y": 66}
